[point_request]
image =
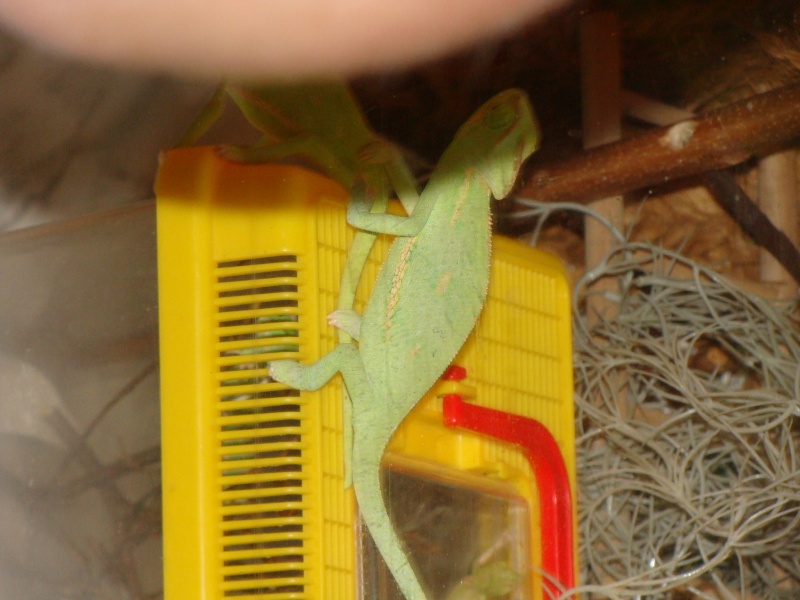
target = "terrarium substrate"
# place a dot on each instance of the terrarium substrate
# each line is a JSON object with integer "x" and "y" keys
{"x": 687, "y": 401}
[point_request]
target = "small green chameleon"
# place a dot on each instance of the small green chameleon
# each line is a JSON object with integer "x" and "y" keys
{"x": 425, "y": 302}
{"x": 321, "y": 124}
{"x": 487, "y": 581}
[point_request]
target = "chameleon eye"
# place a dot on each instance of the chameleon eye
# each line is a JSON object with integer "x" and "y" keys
{"x": 500, "y": 116}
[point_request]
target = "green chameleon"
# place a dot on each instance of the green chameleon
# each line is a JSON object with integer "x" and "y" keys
{"x": 321, "y": 124}
{"x": 425, "y": 302}
{"x": 487, "y": 581}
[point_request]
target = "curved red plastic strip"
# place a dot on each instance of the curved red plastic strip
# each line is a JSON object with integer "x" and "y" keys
{"x": 547, "y": 462}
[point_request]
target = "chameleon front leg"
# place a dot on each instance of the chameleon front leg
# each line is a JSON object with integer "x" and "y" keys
{"x": 208, "y": 116}
{"x": 357, "y": 256}
{"x": 344, "y": 359}
{"x": 345, "y": 319}
{"x": 307, "y": 148}
{"x": 391, "y": 165}
{"x": 383, "y": 169}
{"x": 359, "y": 213}
{"x": 377, "y": 198}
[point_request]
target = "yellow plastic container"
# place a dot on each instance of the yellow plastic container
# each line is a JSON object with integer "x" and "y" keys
{"x": 254, "y": 503}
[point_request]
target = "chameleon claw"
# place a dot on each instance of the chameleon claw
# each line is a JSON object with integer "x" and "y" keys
{"x": 285, "y": 371}
{"x": 232, "y": 153}
{"x": 346, "y": 320}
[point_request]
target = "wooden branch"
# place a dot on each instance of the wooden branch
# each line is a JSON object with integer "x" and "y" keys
{"x": 777, "y": 193}
{"x": 722, "y": 185}
{"x": 715, "y": 140}
{"x": 753, "y": 221}
{"x": 778, "y": 198}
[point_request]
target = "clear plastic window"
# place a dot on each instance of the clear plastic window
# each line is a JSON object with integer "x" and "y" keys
{"x": 459, "y": 537}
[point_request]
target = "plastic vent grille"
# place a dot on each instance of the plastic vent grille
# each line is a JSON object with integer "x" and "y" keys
{"x": 263, "y": 473}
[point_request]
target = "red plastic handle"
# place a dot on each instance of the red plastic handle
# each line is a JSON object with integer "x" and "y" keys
{"x": 547, "y": 462}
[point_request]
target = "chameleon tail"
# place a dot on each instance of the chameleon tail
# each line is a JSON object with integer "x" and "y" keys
{"x": 367, "y": 485}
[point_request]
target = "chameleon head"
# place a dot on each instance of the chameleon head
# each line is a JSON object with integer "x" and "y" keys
{"x": 507, "y": 128}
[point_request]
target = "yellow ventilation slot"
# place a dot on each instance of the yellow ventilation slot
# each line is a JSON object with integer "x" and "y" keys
{"x": 261, "y": 431}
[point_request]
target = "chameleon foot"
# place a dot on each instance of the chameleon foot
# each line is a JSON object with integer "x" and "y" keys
{"x": 346, "y": 320}
{"x": 286, "y": 371}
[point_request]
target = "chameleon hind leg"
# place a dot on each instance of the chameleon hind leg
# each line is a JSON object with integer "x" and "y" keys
{"x": 343, "y": 359}
{"x": 368, "y": 450}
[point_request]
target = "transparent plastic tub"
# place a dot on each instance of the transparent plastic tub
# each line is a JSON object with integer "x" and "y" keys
{"x": 79, "y": 416}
